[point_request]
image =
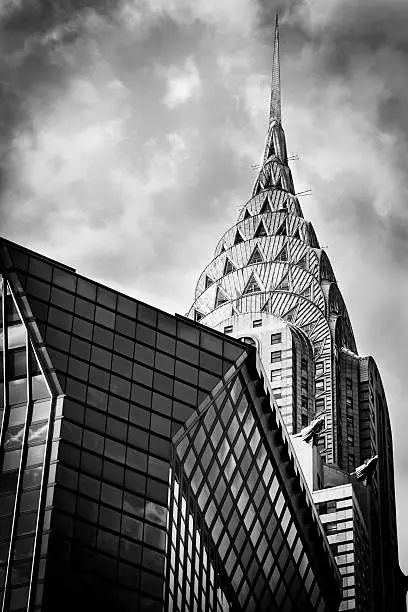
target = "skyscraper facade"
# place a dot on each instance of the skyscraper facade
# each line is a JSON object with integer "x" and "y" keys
{"x": 144, "y": 465}
{"x": 270, "y": 284}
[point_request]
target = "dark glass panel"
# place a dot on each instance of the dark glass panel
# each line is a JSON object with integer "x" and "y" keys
{"x": 60, "y": 318}
{"x": 115, "y": 450}
{"x": 157, "y": 491}
{"x": 86, "y": 288}
{"x": 144, "y": 354}
{"x": 105, "y": 317}
{"x": 111, "y": 495}
{"x": 79, "y": 369}
{"x": 8, "y": 482}
{"x": 11, "y": 460}
{"x": 80, "y": 349}
{"x": 71, "y": 432}
{"x": 122, "y": 366}
{"x": 139, "y": 395}
{"x": 21, "y": 572}
{"x": 127, "y": 306}
{"x": 154, "y": 537}
{"x": 57, "y": 338}
{"x": 160, "y": 425}
{"x": 87, "y": 509}
{"x": 99, "y": 377}
{"x": 156, "y": 513}
{"x": 159, "y": 446}
{"x": 120, "y": 386}
{"x": 93, "y": 441}
{"x": 38, "y": 288}
{"x": 29, "y": 500}
{"x": 158, "y": 468}
{"x": 145, "y": 334}
{"x": 40, "y": 268}
{"x": 132, "y": 528}
{"x": 118, "y": 407}
{"x": 97, "y": 398}
{"x": 136, "y": 459}
{"x": 185, "y": 393}
{"x": 187, "y": 353}
{"x": 24, "y": 547}
{"x": 62, "y": 299}
{"x": 165, "y": 363}
{"x": 130, "y": 551}
{"x": 125, "y": 326}
{"x": 58, "y": 360}
{"x": 165, "y": 343}
{"x": 123, "y": 346}
{"x": 64, "y": 279}
{"x": 162, "y": 404}
{"x": 109, "y": 518}
{"x": 85, "y": 309}
{"x": 163, "y": 383}
{"x": 186, "y": 373}
{"x": 92, "y": 464}
{"x": 103, "y": 337}
{"x": 89, "y": 486}
{"x": 133, "y": 505}
{"x": 82, "y": 328}
{"x": 7, "y": 504}
{"x": 101, "y": 357}
{"x": 138, "y": 437}
{"x": 210, "y": 362}
{"x": 188, "y": 332}
{"x": 135, "y": 482}
{"x": 116, "y": 429}
{"x": 75, "y": 389}
{"x": 32, "y": 477}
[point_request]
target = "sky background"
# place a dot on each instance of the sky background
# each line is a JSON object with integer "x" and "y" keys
{"x": 129, "y": 129}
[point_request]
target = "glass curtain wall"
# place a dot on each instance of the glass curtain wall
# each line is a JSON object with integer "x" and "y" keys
{"x": 25, "y": 417}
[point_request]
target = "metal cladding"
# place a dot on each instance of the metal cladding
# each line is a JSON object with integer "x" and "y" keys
{"x": 270, "y": 262}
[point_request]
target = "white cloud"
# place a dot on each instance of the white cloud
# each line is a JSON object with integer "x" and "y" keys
{"x": 182, "y": 83}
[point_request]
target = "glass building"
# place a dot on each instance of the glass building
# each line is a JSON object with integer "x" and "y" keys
{"x": 144, "y": 465}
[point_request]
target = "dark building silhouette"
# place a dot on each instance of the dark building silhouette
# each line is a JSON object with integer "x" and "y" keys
{"x": 144, "y": 465}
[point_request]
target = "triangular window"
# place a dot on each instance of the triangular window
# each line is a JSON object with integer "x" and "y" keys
{"x": 252, "y": 285}
{"x": 256, "y": 257}
{"x": 297, "y": 235}
{"x": 238, "y": 238}
{"x": 222, "y": 248}
{"x": 265, "y": 207}
{"x": 198, "y": 315}
{"x": 247, "y": 214}
{"x": 220, "y": 297}
{"x": 208, "y": 281}
{"x": 307, "y": 293}
{"x": 302, "y": 263}
{"x": 282, "y": 255}
{"x": 281, "y": 231}
{"x": 260, "y": 231}
{"x": 306, "y": 328}
{"x": 290, "y": 315}
{"x": 284, "y": 284}
{"x": 229, "y": 266}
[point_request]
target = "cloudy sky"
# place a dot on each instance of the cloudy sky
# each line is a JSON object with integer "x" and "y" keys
{"x": 129, "y": 128}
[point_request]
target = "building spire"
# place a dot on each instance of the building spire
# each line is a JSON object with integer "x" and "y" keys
{"x": 275, "y": 106}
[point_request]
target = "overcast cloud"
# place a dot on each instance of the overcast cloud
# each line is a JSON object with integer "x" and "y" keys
{"x": 129, "y": 127}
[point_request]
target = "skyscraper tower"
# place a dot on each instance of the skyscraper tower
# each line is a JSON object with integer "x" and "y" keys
{"x": 271, "y": 284}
